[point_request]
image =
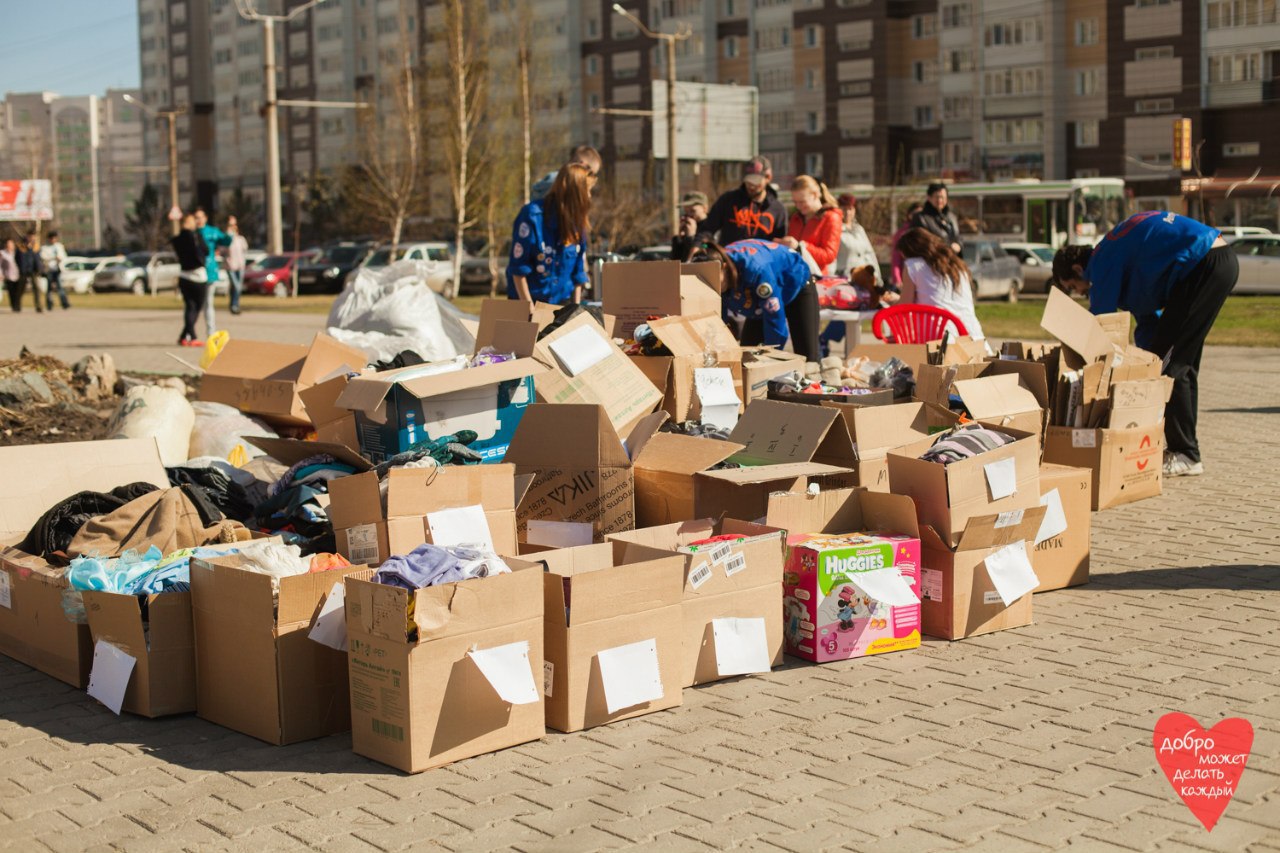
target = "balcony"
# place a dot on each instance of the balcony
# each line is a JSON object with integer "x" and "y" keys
{"x": 1153, "y": 77}
{"x": 1151, "y": 22}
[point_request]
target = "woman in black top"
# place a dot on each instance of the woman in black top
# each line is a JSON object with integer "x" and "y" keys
{"x": 193, "y": 281}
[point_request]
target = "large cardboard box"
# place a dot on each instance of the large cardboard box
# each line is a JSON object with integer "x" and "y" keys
{"x": 1126, "y": 463}
{"x": 598, "y": 599}
{"x": 908, "y": 428}
{"x": 265, "y": 378}
{"x": 33, "y": 627}
{"x": 1027, "y": 389}
{"x": 744, "y": 492}
{"x": 157, "y": 632}
{"x": 419, "y": 699}
{"x": 368, "y": 535}
{"x": 665, "y": 466}
{"x": 958, "y": 597}
{"x": 848, "y": 551}
{"x": 739, "y": 579}
{"x": 257, "y": 672}
{"x": 1000, "y": 400}
{"x": 634, "y": 292}
{"x": 691, "y": 340}
{"x": 396, "y": 408}
{"x": 333, "y": 424}
{"x": 761, "y": 364}
{"x": 947, "y": 497}
{"x": 1062, "y": 560}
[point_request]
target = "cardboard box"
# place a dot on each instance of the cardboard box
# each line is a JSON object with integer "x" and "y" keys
{"x": 396, "y": 408}
{"x": 913, "y": 355}
{"x": 333, "y": 424}
{"x": 1001, "y": 401}
{"x": 421, "y": 700}
{"x": 1126, "y": 463}
{"x": 730, "y": 580}
{"x": 1138, "y": 402}
{"x": 33, "y": 627}
{"x": 744, "y": 492}
{"x": 690, "y": 339}
{"x": 937, "y": 383}
{"x": 947, "y": 497}
{"x": 958, "y": 597}
{"x": 634, "y": 292}
{"x": 368, "y": 535}
{"x": 161, "y": 642}
{"x": 598, "y": 598}
{"x": 841, "y": 546}
{"x": 665, "y": 466}
{"x": 776, "y": 433}
{"x": 257, "y": 672}
{"x": 1063, "y": 560}
{"x": 762, "y": 364}
{"x": 909, "y": 428}
{"x": 265, "y": 378}
{"x": 870, "y": 397}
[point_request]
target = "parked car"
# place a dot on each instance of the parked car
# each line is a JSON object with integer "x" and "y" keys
{"x": 1243, "y": 230}
{"x": 328, "y": 274}
{"x": 653, "y": 253}
{"x": 1037, "y": 264}
{"x": 996, "y": 273}
{"x": 139, "y": 272}
{"x": 476, "y": 275}
{"x": 78, "y": 271}
{"x": 595, "y": 270}
{"x": 273, "y": 274}
{"x": 1259, "y": 257}
{"x": 439, "y": 279}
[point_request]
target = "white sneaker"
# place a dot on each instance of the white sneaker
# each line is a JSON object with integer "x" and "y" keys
{"x": 1180, "y": 465}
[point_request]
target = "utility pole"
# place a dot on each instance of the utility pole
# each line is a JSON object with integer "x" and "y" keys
{"x": 673, "y": 162}
{"x": 170, "y": 113}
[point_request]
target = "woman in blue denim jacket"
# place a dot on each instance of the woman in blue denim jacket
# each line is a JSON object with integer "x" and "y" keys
{"x": 548, "y": 242}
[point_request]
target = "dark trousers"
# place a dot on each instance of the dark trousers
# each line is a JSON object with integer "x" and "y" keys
{"x": 1194, "y": 303}
{"x": 55, "y": 283}
{"x": 193, "y": 297}
{"x": 802, "y": 323}
{"x": 15, "y": 290}
{"x": 24, "y": 279}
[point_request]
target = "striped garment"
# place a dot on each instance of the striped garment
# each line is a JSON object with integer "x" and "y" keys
{"x": 964, "y": 442}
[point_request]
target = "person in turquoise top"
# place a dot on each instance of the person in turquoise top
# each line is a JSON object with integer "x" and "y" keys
{"x": 549, "y": 241}
{"x": 1173, "y": 274}
{"x": 214, "y": 238}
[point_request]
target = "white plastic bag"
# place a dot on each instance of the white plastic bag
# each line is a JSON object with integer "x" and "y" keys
{"x": 218, "y": 430}
{"x": 150, "y": 411}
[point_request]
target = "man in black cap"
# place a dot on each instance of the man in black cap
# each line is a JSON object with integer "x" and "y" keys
{"x": 693, "y": 212}
{"x": 937, "y": 217}
{"x": 752, "y": 211}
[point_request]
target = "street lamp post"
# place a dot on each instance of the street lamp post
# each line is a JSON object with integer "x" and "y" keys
{"x": 673, "y": 163}
{"x": 170, "y": 113}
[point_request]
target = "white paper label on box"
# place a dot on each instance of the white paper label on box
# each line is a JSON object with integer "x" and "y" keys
{"x": 742, "y": 646}
{"x": 931, "y": 584}
{"x": 1010, "y": 518}
{"x": 887, "y": 586}
{"x": 1055, "y": 517}
{"x": 362, "y": 544}
{"x": 714, "y": 387}
{"x": 460, "y": 526}
{"x": 581, "y": 349}
{"x": 720, "y": 553}
{"x": 548, "y": 677}
{"x": 508, "y": 670}
{"x": 559, "y": 534}
{"x": 1007, "y": 357}
{"x": 1002, "y": 478}
{"x": 734, "y": 564}
{"x": 1010, "y": 570}
{"x": 1084, "y": 438}
{"x": 991, "y": 597}
{"x": 6, "y": 591}
{"x": 700, "y": 574}
{"x": 630, "y": 675}
{"x": 109, "y": 678}
{"x": 330, "y": 625}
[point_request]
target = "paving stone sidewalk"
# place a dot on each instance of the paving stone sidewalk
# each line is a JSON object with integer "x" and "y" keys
{"x": 1025, "y": 740}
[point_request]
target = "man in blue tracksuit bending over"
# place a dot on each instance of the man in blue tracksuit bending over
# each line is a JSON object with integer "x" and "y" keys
{"x": 1173, "y": 274}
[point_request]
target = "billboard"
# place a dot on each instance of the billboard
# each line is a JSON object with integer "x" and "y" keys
{"x": 25, "y": 200}
{"x": 713, "y": 121}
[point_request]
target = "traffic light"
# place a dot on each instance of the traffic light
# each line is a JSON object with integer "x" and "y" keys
{"x": 1182, "y": 143}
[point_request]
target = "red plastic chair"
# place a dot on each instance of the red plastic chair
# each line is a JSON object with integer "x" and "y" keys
{"x": 915, "y": 324}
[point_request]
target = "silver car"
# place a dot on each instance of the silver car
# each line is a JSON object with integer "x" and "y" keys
{"x": 1037, "y": 264}
{"x": 139, "y": 272}
{"x": 1259, "y": 256}
{"x": 996, "y": 273}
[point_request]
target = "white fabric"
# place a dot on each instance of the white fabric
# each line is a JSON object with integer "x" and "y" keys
{"x": 856, "y": 251}
{"x": 933, "y": 289}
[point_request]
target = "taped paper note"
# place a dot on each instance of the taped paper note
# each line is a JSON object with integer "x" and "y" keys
{"x": 931, "y": 584}
{"x": 559, "y": 534}
{"x": 109, "y": 678}
{"x": 714, "y": 386}
{"x": 1002, "y": 478}
{"x": 1055, "y": 517}
{"x": 1084, "y": 438}
{"x": 887, "y": 586}
{"x": 1010, "y": 518}
{"x": 580, "y": 350}
{"x": 742, "y": 646}
{"x": 6, "y": 591}
{"x": 1010, "y": 570}
{"x": 630, "y": 675}
{"x": 464, "y": 525}
{"x": 330, "y": 627}
{"x": 507, "y": 669}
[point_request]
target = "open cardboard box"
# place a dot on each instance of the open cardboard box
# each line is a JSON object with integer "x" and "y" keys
{"x": 33, "y": 627}
{"x": 265, "y": 378}
{"x": 1062, "y": 560}
{"x": 907, "y": 428}
{"x": 419, "y": 698}
{"x": 761, "y": 364}
{"x": 665, "y": 466}
{"x": 634, "y": 292}
{"x": 690, "y": 339}
{"x": 334, "y": 424}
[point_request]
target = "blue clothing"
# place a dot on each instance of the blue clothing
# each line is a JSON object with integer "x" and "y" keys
{"x": 213, "y": 238}
{"x": 543, "y": 185}
{"x": 761, "y": 263}
{"x": 1136, "y": 265}
{"x": 551, "y": 269}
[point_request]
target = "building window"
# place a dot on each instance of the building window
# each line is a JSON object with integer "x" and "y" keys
{"x": 811, "y": 80}
{"x": 1235, "y": 67}
{"x": 957, "y": 107}
{"x": 1147, "y": 54}
{"x": 1086, "y": 31}
{"x": 1240, "y": 13}
{"x": 593, "y": 66}
{"x": 1142, "y": 3}
{"x": 1087, "y": 82}
{"x": 955, "y": 15}
{"x": 924, "y": 26}
{"x": 958, "y": 154}
{"x": 923, "y": 116}
{"x": 959, "y": 60}
{"x": 813, "y": 164}
{"x": 1154, "y": 105}
{"x": 1087, "y": 133}
{"x": 1019, "y": 131}
{"x": 924, "y": 161}
{"x": 1020, "y": 31}
{"x": 924, "y": 71}
{"x": 1014, "y": 81}
{"x": 1241, "y": 149}
{"x": 731, "y": 47}
{"x": 812, "y": 123}
{"x": 811, "y": 36}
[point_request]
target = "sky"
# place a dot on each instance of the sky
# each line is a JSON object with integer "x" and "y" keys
{"x": 71, "y": 47}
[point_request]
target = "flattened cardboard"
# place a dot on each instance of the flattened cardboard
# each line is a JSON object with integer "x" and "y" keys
{"x": 494, "y": 310}
{"x": 164, "y": 678}
{"x": 635, "y": 291}
{"x": 1126, "y": 463}
{"x": 1116, "y": 325}
{"x": 333, "y": 424}
{"x": 1071, "y": 323}
{"x": 776, "y": 433}
{"x": 1063, "y": 560}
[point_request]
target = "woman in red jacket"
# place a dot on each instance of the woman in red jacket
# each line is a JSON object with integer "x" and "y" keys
{"x": 816, "y": 223}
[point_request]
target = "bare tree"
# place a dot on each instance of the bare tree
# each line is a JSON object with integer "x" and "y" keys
{"x": 524, "y": 59}
{"x": 467, "y": 102}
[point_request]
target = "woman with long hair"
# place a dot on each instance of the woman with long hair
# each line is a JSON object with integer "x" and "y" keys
{"x": 193, "y": 280}
{"x": 816, "y": 223}
{"x": 549, "y": 241}
{"x": 932, "y": 274}
{"x": 769, "y": 289}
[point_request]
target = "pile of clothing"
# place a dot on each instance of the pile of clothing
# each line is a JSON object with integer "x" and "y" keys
{"x": 964, "y": 442}
{"x": 434, "y": 565}
{"x": 294, "y": 509}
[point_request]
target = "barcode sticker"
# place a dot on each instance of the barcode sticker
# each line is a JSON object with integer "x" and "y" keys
{"x": 1084, "y": 438}
{"x": 735, "y": 564}
{"x": 362, "y": 544}
{"x": 992, "y": 597}
{"x": 387, "y": 730}
{"x": 548, "y": 677}
{"x": 6, "y": 591}
{"x": 700, "y": 575}
{"x": 720, "y": 553}
{"x": 1010, "y": 518}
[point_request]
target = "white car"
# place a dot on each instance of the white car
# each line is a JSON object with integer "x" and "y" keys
{"x": 1259, "y": 257}
{"x": 1037, "y": 264}
{"x": 139, "y": 272}
{"x": 78, "y": 272}
{"x": 439, "y": 279}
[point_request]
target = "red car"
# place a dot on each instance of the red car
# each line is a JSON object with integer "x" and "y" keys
{"x": 273, "y": 275}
